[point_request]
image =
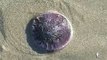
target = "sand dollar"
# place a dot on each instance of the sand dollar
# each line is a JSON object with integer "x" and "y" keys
{"x": 51, "y": 31}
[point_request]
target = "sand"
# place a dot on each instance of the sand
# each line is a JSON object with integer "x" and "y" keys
{"x": 88, "y": 18}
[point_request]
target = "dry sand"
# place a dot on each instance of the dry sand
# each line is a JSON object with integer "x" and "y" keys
{"x": 88, "y": 17}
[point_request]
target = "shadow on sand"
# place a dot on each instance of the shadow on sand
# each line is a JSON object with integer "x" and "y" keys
{"x": 2, "y": 24}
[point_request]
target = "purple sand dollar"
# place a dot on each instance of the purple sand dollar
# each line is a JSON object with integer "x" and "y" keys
{"x": 52, "y": 31}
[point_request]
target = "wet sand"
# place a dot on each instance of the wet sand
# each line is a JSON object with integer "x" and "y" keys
{"x": 88, "y": 18}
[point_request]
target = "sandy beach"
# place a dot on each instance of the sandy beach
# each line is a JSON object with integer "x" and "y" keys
{"x": 88, "y": 18}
